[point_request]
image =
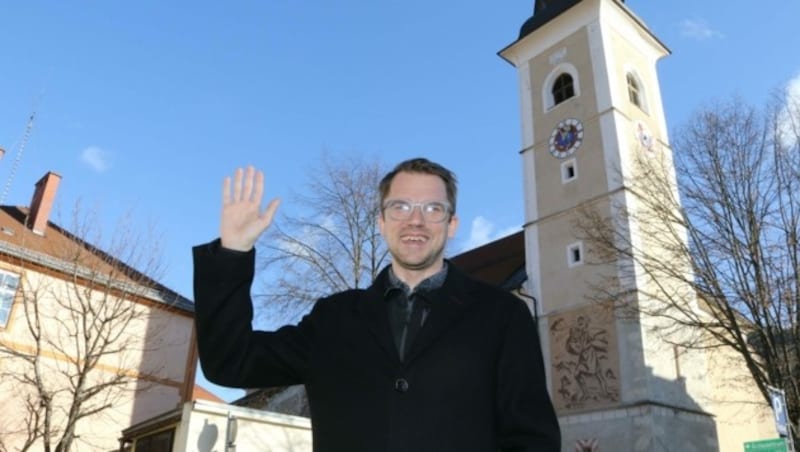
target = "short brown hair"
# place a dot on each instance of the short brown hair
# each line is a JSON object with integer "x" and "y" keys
{"x": 423, "y": 166}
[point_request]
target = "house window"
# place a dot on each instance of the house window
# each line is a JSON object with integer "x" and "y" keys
{"x": 563, "y": 88}
{"x": 157, "y": 442}
{"x": 575, "y": 254}
{"x": 9, "y": 282}
{"x": 569, "y": 171}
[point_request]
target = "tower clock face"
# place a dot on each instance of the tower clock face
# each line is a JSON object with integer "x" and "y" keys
{"x": 566, "y": 138}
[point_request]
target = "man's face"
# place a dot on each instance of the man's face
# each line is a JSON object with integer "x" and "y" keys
{"x": 417, "y": 244}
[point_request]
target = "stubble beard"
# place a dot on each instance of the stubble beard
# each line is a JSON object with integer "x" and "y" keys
{"x": 425, "y": 263}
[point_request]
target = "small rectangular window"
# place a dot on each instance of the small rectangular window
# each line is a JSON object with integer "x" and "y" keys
{"x": 575, "y": 254}
{"x": 9, "y": 282}
{"x": 156, "y": 442}
{"x": 569, "y": 171}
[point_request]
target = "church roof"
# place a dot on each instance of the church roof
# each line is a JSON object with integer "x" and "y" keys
{"x": 543, "y": 12}
{"x": 501, "y": 262}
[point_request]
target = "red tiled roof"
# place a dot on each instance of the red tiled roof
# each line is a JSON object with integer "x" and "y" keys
{"x": 60, "y": 248}
{"x": 200, "y": 393}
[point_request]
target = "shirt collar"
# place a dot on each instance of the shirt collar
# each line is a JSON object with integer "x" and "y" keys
{"x": 428, "y": 284}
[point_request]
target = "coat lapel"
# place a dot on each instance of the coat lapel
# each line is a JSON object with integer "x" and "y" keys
{"x": 372, "y": 308}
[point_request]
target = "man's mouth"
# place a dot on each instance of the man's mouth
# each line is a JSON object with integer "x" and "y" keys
{"x": 413, "y": 239}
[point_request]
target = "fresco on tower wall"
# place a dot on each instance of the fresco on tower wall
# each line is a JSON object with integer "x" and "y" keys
{"x": 585, "y": 364}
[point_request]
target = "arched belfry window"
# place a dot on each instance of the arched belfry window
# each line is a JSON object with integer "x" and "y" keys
{"x": 561, "y": 83}
{"x": 563, "y": 88}
{"x": 636, "y": 93}
{"x": 633, "y": 90}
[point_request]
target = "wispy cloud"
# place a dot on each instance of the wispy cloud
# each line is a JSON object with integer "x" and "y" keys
{"x": 789, "y": 118}
{"x": 98, "y": 159}
{"x": 483, "y": 231}
{"x": 307, "y": 239}
{"x": 698, "y": 29}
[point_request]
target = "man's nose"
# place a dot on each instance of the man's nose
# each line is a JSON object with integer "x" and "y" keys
{"x": 416, "y": 215}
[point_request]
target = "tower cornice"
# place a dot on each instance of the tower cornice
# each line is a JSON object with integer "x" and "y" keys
{"x": 548, "y": 11}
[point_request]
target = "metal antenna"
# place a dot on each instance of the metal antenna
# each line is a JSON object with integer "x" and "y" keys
{"x": 20, "y": 150}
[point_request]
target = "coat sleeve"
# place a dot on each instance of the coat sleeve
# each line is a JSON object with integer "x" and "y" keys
{"x": 526, "y": 420}
{"x": 231, "y": 352}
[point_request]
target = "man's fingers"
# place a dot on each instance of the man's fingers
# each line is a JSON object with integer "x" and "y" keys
{"x": 247, "y": 191}
{"x": 258, "y": 188}
{"x": 247, "y": 185}
{"x": 237, "y": 184}
{"x": 269, "y": 212}
{"x": 226, "y": 191}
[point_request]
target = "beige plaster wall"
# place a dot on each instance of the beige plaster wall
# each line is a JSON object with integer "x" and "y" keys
{"x": 151, "y": 350}
{"x": 741, "y": 411}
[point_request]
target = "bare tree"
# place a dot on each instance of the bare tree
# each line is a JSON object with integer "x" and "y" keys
{"x": 712, "y": 230}
{"x": 72, "y": 351}
{"x": 333, "y": 244}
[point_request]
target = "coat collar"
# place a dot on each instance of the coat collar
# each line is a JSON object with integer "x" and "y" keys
{"x": 448, "y": 304}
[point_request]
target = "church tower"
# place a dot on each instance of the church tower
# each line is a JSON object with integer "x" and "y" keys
{"x": 590, "y": 105}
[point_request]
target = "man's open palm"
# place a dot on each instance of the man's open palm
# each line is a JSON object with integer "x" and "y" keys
{"x": 242, "y": 218}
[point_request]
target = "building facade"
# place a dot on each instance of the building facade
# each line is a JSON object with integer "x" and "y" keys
{"x": 84, "y": 337}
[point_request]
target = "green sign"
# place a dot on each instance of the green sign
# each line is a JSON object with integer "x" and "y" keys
{"x": 767, "y": 445}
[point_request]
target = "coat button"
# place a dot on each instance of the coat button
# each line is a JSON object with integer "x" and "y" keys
{"x": 401, "y": 385}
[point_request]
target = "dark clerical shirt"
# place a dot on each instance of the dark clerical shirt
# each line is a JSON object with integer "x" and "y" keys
{"x": 409, "y": 308}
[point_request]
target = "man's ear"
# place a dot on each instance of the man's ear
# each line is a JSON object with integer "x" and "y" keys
{"x": 452, "y": 226}
{"x": 381, "y": 222}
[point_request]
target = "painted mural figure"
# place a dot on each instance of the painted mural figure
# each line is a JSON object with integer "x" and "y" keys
{"x": 589, "y": 346}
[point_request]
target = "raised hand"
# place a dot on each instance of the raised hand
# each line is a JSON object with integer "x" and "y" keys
{"x": 242, "y": 218}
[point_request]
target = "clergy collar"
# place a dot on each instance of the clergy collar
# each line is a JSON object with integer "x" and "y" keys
{"x": 428, "y": 284}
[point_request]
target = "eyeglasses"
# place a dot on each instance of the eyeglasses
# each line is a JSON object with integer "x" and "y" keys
{"x": 433, "y": 211}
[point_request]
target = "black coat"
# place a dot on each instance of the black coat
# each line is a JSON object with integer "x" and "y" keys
{"x": 473, "y": 379}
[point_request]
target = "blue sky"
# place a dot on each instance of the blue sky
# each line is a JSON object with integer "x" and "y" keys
{"x": 145, "y": 106}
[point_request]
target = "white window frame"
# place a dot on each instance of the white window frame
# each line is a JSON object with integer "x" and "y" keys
{"x": 642, "y": 92}
{"x": 565, "y": 165}
{"x": 548, "y": 102}
{"x": 571, "y": 248}
{"x": 7, "y": 295}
